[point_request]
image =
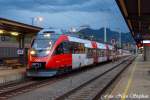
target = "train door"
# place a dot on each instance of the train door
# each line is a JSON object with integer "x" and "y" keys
{"x": 76, "y": 61}
{"x": 107, "y": 52}
{"x": 78, "y": 55}
{"x": 95, "y": 56}
{"x": 94, "y": 52}
{"x": 75, "y": 56}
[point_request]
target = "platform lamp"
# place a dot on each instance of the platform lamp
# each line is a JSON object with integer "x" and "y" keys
{"x": 14, "y": 33}
{"x": 2, "y": 35}
{"x": 1, "y": 31}
{"x": 38, "y": 19}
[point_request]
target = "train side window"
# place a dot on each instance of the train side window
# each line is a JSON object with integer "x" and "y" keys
{"x": 66, "y": 47}
{"x": 82, "y": 48}
{"x": 86, "y": 50}
{"x": 111, "y": 52}
{"x": 98, "y": 53}
{"x": 106, "y": 52}
{"x": 102, "y": 53}
{"x": 89, "y": 53}
{"x": 76, "y": 48}
{"x": 72, "y": 47}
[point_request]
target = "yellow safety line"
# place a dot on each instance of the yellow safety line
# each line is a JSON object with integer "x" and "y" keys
{"x": 129, "y": 82}
{"x": 119, "y": 83}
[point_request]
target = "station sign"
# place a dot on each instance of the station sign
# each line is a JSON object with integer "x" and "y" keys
{"x": 20, "y": 51}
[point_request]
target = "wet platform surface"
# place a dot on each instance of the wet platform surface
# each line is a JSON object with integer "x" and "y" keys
{"x": 134, "y": 83}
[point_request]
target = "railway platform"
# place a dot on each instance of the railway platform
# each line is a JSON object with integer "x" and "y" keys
{"x": 11, "y": 75}
{"x": 134, "y": 82}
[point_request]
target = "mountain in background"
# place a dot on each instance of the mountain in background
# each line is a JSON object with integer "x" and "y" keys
{"x": 98, "y": 35}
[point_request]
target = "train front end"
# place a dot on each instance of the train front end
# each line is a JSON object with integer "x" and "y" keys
{"x": 40, "y": 53}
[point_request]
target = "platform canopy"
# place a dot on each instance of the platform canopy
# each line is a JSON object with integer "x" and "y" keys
{"x": 14, "y": 26}
{"x": 137, "y": 16}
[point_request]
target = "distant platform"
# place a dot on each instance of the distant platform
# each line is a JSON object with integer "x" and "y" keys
{"x": 134, "y": 83}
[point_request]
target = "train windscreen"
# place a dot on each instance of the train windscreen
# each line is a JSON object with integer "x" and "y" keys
{"x": 44, "y": 41}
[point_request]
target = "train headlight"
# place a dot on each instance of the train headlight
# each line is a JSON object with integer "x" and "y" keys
{"x": 47, "y": 35}
{"x": 47, "y": 51}
{"x": 32, "y": 52}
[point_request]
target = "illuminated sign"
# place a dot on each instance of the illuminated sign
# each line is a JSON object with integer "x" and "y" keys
{"x": 20, "y": 51}
{"x": 146, "y": 41}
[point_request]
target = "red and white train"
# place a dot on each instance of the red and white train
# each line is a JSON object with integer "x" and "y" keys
{"x": 52, "y": 52}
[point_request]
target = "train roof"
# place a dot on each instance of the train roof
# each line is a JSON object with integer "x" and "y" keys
{"x": 74, "y": 38}
{"x": 87, "y": 43}
{"x": 101, "y": 45}
{"x": 56, "y": 31}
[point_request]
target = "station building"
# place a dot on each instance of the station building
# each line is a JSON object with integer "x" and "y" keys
{"x": 15, "y": 39}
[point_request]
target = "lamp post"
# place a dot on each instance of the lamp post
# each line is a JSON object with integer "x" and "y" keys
{"x": 116, "y": 17}
{"x": 32, "y": 19}
{"x": 118, "y": 29}
{"x": 120, "y": 39}
{"x": 105, "y": 35}
{"x": 38, "y": 19}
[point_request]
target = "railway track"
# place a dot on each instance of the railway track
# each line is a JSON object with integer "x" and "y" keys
{"x": 14, "y": 83}
{"x": 10, "y": 91}
{"x": 16, "y": 88}
{"x": 93, "y": 89}
{"x": 23, "y": 87}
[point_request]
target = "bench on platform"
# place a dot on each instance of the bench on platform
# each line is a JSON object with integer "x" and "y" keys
{"x": 12, "y": 63}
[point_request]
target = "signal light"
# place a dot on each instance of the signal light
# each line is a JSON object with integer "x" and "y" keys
{"x": 139, "y": 45}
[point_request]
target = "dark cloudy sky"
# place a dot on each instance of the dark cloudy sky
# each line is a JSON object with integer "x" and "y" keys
{"x": 65, "y": 13}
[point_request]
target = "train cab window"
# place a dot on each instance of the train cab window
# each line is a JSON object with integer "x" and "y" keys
{"x": 59, "y": 49}
{"x": 63, "y": 48}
